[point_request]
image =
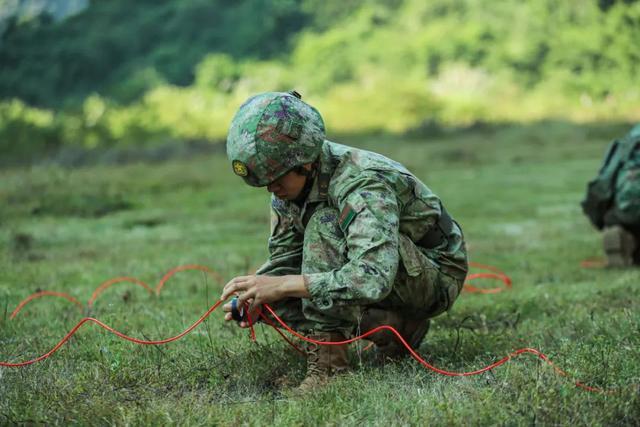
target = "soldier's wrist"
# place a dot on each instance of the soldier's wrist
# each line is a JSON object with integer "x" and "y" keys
{"x": 294, "y": 286}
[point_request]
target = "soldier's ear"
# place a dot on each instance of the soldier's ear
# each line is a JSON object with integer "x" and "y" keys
{"x": 304, "y": 170}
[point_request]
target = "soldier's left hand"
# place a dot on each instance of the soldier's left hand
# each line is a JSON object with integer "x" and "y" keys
{"x": 254, "y": 290}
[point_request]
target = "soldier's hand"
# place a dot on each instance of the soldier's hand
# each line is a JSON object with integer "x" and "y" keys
{"x": 253, "y": 291}
{"x": 257, "y": 290}
{"x": 227, "y": 308}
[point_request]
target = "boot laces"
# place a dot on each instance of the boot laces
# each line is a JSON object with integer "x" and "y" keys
{"x": 313, "y": 360}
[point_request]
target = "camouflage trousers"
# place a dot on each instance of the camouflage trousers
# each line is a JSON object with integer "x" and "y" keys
{"x": 420, "y": 289}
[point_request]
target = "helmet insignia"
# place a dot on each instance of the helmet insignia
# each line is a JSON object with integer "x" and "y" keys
{"x": 239, "y": 168}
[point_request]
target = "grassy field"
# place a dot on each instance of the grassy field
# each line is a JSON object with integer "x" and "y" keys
{"x": 516, "y": 192}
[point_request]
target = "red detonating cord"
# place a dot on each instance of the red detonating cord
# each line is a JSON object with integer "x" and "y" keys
{"x": 596, "y": 262}
{"x": 495, "y": 273}
{"x": 113, "y": 331}
{"x": 42, "y": 294}
{"x": 175, "y": 270}
{"x": 111, "y": 282}
{"x": 426, "y": 364}
{"x": 105, "y": 285}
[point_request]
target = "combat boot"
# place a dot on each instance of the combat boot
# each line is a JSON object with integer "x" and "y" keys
{"x": 388, "y": 344}
{"x": 619, "y": 246}
{"x": 324, "y": 361}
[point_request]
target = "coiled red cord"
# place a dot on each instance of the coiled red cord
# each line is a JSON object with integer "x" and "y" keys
{"x": 42, "y": 294}
{"x": 495, "y": 274}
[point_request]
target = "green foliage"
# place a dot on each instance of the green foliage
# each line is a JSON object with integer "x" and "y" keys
{"x": 218, "y": 72}
{"x": 144, "y": 73}
{"x": 25, "y": 131}
{"x": 57, "y": 63}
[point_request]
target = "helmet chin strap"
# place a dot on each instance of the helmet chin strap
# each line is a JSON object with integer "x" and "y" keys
{"x": 310, "y": 174}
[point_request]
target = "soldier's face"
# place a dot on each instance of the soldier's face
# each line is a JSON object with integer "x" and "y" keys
{"x": 288, "y": 186}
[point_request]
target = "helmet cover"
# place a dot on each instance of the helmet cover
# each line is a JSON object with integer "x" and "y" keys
{"x": 271, "y": 134}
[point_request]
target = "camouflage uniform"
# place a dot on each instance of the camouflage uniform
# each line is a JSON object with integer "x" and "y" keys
{"x": 369, "y": 234}
{"x": 626, "y": 207}
{"x": 612, "y": 202}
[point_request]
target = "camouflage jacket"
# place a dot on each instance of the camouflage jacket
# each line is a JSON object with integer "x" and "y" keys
{"x": 378, "y": 200}
{"x": 613, "y": 196}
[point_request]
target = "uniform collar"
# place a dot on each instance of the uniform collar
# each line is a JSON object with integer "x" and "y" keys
{"x": 320, "y": 189}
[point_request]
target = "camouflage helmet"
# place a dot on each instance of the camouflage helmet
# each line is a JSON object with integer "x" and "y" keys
{"x": 271, "y": 134}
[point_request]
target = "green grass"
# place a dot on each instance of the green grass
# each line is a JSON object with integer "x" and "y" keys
{"x": 516, "y": 192}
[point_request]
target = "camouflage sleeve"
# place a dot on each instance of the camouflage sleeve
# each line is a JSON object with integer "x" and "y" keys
{"x": 369, "y": 219}
{"x": 285, "y": 243}
{"x": 627, "y": 192}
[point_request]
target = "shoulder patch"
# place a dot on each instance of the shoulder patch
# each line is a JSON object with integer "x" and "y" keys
{"x": 346, "y": 216}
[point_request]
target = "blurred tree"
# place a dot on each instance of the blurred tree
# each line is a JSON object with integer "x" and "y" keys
{"x": 53, "y": 64}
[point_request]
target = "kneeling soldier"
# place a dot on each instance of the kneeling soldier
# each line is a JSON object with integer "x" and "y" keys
{"x": 357, "y": 241}
{"x": 612, "y": 202}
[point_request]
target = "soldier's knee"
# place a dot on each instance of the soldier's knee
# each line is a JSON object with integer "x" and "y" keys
{"x": 449, "y": 290}
{"x": 444, "y": 293}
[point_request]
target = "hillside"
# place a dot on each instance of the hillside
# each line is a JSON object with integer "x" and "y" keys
{"x": 132, "y": 73}
{"x": 48, "y": 63}
{"x": 14, "y": 12}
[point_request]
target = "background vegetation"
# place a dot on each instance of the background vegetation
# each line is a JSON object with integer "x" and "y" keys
{"x": 144, "y": 73}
